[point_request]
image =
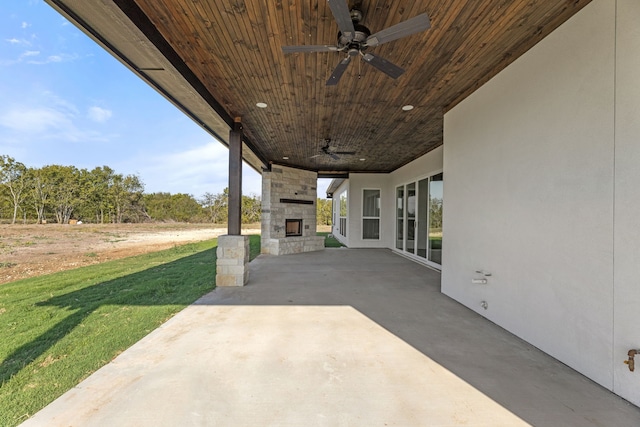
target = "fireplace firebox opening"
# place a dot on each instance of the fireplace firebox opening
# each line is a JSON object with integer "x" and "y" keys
{"x": 293, "y": 227}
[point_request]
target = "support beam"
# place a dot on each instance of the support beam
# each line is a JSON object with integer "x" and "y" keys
{"x": 235, "y": 179}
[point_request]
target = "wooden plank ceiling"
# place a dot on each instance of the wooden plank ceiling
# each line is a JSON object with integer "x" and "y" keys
{"x": 234, "y": 48}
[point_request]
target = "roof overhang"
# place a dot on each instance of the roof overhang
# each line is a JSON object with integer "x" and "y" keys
{"x": 109, "y": 26}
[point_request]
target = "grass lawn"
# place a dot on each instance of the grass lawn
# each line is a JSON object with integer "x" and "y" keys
{"x": 329, "y": 242}
{"x": 58, "y": 329}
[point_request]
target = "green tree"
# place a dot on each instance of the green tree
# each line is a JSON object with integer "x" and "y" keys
{"x": 65, "y": 194}
{"x": 100, "y": 180}
{"x": 251, "y": 209}
{"x": 324, "y": 211}
{"x": 173, "y": 207}
{"x": 126, "y": 197}
{"x": 435, "y": 213}
{"x": 216, "y": 206}
{"x": 39, "y": 191}
{"x": 13, "y": 177}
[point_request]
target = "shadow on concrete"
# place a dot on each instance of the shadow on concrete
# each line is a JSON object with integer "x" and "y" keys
{"x": 404, "y": 298}
{"x": 172, "y": 286}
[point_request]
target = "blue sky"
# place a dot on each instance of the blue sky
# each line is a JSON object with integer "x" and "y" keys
{"x": 64, "y": 100}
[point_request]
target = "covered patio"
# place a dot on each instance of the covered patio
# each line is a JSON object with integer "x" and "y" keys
{"x": 341, "y": 337}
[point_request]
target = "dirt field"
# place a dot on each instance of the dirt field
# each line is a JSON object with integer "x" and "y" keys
{"x": 33, "y": 250}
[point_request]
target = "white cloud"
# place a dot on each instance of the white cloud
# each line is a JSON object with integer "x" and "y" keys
{"x": 51, "y": 118}
{"x": 23, "y": 55}
{"x": 34, "y": 120}
{"x": 24, "y": 25}
{"x": 195, "y": 171}
{"x": 64, "y": 57}
{"x": 98, "y": 114}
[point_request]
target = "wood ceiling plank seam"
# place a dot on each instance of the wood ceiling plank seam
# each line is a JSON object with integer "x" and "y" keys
{"x": 441, "y": 18}
{"x": 488, "y": 45}
{"x": 309, "y": 91}
{"x": 256, "y": 80}
{"x": 260, "y": 118}
{"x": 468, "y": 34}
{"x": 283, "y": 23}
{"x": 219, "y": 66}
{"x": 279, "y": 96}
{"x": 231, "y": 48}
{"x": 411, "y": 43}
{"x": 243, "y": 68}
{"x": 325, "y": 36}
{"x": 330, "y": 98}
{"x": 494, "y": 49}
{"x": 202, "y": 53}
{"x": 391, "y": 53}
{"x": 245, "y": 43}
{"x": 308, "y": 107}
{"x": 318, "y": 93}
{"x": 249, "y": 129}
{"x": 159, "y": 10}
{"x": 420, "y": 43}
{"x": 277, "y": 21}
{"x": 520, "y": 50}
{"x": 296, "y": 61}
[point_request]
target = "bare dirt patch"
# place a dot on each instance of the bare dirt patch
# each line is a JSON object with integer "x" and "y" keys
{"x": 33, "y": 250}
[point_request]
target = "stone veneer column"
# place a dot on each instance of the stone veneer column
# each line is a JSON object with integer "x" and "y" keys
{"x": 289, "y": 193}
{"x": 232, "y": 264}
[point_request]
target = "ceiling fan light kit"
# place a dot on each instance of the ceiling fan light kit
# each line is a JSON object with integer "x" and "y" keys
{"x": 354, "y": 39}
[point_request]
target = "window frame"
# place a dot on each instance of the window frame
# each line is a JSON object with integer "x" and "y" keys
{"x": 365, "y": 218}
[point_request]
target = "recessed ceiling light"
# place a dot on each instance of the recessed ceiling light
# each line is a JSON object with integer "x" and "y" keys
{"x": 407, "y": 107}
{"x": 261, "y": 105}
{"x": 362, "y": 160}
{"x": 285, "y": 158}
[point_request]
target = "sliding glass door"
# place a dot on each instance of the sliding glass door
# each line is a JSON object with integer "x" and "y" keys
{"x": 435, "y": 218}
{"x": 400, "y": 218}
{"x": 419, "y": 218}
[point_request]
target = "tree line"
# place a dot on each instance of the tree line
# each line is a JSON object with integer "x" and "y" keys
{"x": 61, "y": 193}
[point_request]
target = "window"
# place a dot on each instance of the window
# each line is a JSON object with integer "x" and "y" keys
{"x": 419, "y": 218}
{"x": 342, "y": 227}
{"x": 371, "y": 214}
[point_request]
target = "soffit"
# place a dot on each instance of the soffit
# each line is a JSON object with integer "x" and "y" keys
{"x": 231, "y": 52}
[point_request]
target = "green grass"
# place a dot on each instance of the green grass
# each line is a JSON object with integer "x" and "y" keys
{"x": 330, "y": 242}
{"x": 56, "y": 330}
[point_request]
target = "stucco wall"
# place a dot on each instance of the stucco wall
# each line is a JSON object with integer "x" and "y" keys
{"x": 532, "y": 162}
{"x": 627, "y": 198}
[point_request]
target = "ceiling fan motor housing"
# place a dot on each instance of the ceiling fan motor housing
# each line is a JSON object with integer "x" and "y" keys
{"x": 359, "y": 37}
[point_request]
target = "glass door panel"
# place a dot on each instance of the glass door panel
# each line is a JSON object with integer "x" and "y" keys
{"x": 400, "y": 218}
{"x": 435, "y": 218}
{"x": 423, "y": 218}
{"x": 411, "y": 207}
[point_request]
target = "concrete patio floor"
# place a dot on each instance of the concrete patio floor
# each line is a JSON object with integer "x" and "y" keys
{"x": 342, "y": 337}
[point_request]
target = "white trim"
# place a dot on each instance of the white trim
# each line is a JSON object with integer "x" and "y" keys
{"x": 379, "y": 217}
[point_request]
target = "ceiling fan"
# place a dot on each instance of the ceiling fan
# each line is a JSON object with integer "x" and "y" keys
{"x": 332, "y": 151}
{"x": 354, "y": 39}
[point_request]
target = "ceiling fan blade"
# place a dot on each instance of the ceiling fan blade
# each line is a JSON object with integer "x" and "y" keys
{"x": 312, "y": 48}
{"x": 341, "y": 14}
{"x": 338, "y": 72}
{"x": 383, "y": 65}
{"x": 345, "y": 152}
{"x": 403, "y": 29}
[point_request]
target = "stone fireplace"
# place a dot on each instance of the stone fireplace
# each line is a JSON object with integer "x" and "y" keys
{"x": 289, "y": 211}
